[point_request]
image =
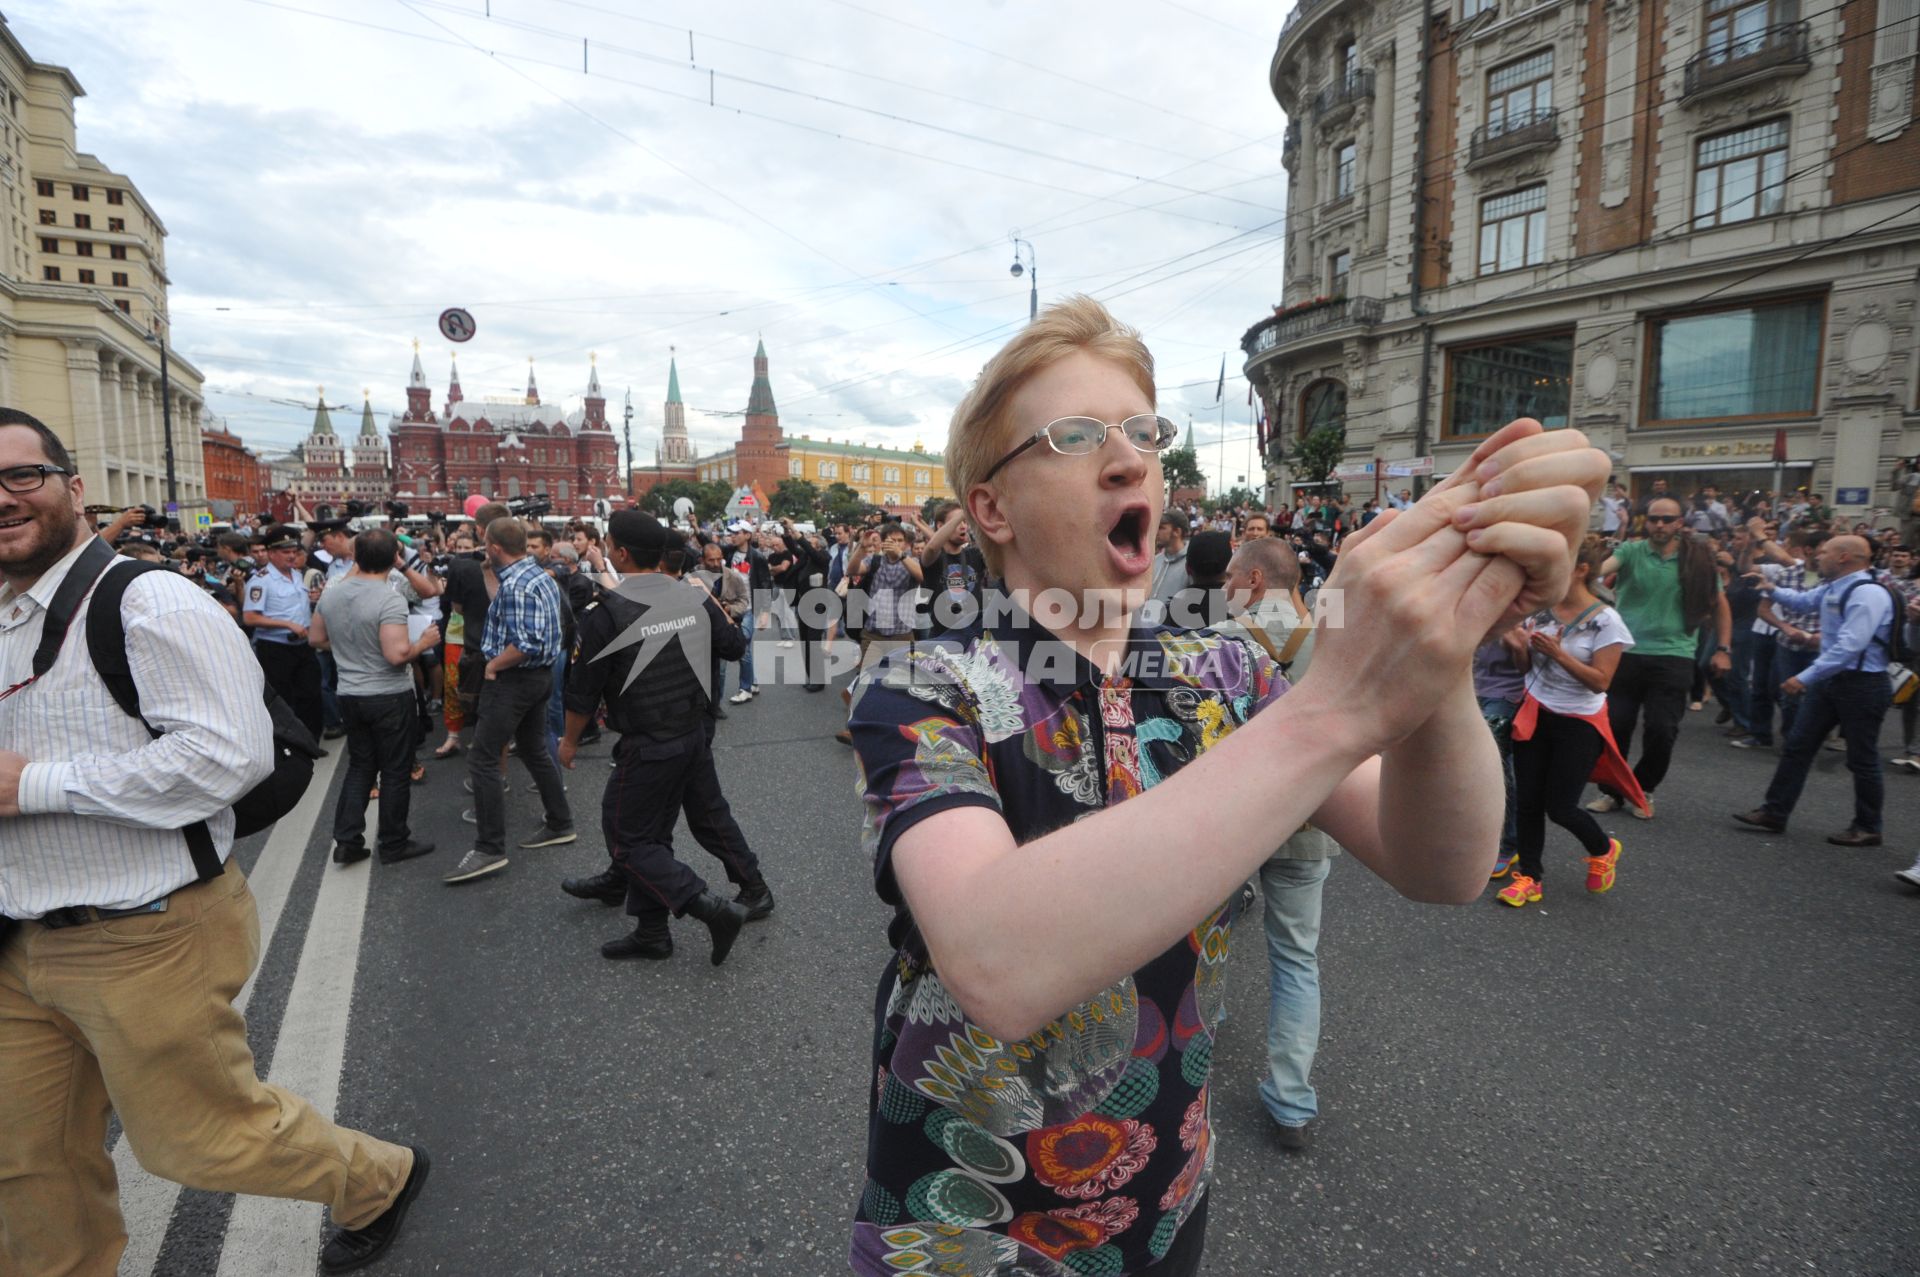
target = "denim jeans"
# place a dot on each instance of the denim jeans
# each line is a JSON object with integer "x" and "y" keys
{"x": 746, "y": 662}
{"x": 1788, "y": 663}
{"x": 329, "y": 691}
{"x": 1734, "y": 681}
{"x": 1857, "y": 704}
{"x": 556, "y": 704}
{"x": 1499, "y": 712}
{"x": 513, "y": 707}
{"x": 380, "y": 739}
{"x": 1292, "y": 890}
{"x": 1756, "y": 712}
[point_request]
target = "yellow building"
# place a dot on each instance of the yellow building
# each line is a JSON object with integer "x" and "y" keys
{"x": 899, "y": 479}
{"x": 83, "y": 292}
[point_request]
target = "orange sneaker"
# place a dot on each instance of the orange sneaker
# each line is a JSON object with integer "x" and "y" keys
{"x": 1600, "y": 868}
{"x": 1522, "y": 890}
{"x": 1501, "y": 865}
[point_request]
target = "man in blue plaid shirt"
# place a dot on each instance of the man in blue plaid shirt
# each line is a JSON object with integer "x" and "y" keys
{"x": 522, "y": 645}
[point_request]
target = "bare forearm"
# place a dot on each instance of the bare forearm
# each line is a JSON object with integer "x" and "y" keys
{"x": 1441, "y": 803}
{"x": 1141, "y": 877}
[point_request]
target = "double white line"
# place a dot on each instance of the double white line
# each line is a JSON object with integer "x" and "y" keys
{"x": 268, "y": 1235}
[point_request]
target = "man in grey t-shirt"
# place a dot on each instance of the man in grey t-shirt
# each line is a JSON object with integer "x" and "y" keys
{"x": 363, "y": 620}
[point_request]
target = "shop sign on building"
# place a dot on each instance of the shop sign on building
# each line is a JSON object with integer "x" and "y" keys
{"x": 1743, "y": 448}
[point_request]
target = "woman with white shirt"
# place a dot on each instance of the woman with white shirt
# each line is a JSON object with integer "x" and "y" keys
{"x": 1570, "y": 652}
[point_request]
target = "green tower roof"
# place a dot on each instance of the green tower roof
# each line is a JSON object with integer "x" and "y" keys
{"x": 673, "y": 381}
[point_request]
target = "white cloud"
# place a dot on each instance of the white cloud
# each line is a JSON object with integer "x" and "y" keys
{"x": 332, "y": 186}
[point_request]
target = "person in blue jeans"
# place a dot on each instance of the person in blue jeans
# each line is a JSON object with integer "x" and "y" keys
{"x": 1500, "y": 685}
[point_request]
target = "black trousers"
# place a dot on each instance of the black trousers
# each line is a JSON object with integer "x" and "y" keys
{"x": 1857, "y": 704}
{"x": 653, "y": 780}
{"x": 293, "y": 670}
{"x": 1659, "y": 686}
{"x": 380, "y": 740}
{"x": 1550, "y": 773}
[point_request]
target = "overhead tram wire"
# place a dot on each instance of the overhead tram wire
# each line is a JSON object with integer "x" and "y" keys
{"x": 909, "y": 85}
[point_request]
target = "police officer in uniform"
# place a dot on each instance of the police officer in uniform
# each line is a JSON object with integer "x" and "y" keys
{"x": 332, "y": 556}
{"x": 278, "y": 608}
{"x": 662, "y": 762}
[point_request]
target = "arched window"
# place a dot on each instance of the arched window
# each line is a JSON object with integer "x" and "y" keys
{"x": 1323, "y": 404}
{"x": 563, "y": 492}
{"x": 513, "y": 487}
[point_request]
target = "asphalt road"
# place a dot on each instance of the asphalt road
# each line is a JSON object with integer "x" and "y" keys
{"x": 1710, "y": 1070}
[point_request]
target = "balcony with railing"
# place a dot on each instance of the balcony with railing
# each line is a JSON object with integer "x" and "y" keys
{"x": 1779, "y": 50}
{"x": 1310, "y": 319}
{"x": 1516, "y": 134}
{"x": 1343, "y": 93}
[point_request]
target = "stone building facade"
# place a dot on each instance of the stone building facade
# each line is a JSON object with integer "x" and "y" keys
{"x": 1689, "y": 227}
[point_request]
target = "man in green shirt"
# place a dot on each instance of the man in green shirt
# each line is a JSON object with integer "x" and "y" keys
{"x": 1665, "y": 589}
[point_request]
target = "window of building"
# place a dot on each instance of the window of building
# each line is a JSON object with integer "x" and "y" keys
{"x": 1899, "y": 36}
{"x": 116, "y": 197}
{"x": 829, "y": 469}
{"x": 1513, "y": 230}
{"x": 116, "y": 223}
{"x": 48, "y": 245}
{"x": 922, "y": 477}
{"x": 82, "y": 221}
{"x": 562, "y": 490}
{"x": 1339, "y": 266}
{"x": 81, "y": 193}
{"x": 120, "y": 279}
{"x": 1736, "y": 28}
{"x": 862, "y": 472}
{"x": 118, "y": 252}
{"x": 49, "y": 218}
{"x": 1754, "y": 360}
{"x": 513, "y": 487}
{"x": 124, "y": 306}
{"x": 50, "y": 273}
{"x": 1474, "y": 8}
{"x": 83, "y": 247}
{"x": 1519, "y": 93}
{"x": 1488, "y": 386}
{"x": 796, "y": 467}
{"x": 890, "y": 474}
{"x": 1346, "y": 61}
{"x": 1343, "y": 171}
{"x": 892, "y": 498}
{"x": 43, "y": 188}
{"x": 1740, "y": 175}
{"x": 86, "y": 277}
{"x": 1323, "y": 405}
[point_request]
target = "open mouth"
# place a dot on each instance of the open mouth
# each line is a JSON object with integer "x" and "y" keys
{"x": 7, "y": 525}
{"x": 1128, "y": 537}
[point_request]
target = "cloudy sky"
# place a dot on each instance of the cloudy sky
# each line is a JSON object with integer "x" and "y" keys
{"x": 839, "y": 177}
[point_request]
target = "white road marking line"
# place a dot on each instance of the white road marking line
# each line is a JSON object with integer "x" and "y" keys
{"x": 269, "y": 1235}
{"x": 147, "y": 1201}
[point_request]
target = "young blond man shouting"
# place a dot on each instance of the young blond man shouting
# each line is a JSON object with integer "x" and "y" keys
{"x": 1044, "y": 1034}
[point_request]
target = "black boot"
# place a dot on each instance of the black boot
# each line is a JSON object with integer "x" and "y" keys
{"x": 607, "y": 886}
{"x": 756, "y": 898}
{"x": 724, "y": 919}
{"x": 650, "y": 940}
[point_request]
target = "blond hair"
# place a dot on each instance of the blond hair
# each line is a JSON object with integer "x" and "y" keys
{"x": 978, "y": 434}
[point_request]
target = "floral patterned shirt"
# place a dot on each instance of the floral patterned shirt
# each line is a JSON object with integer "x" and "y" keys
{"x": 1084, "y": 1147}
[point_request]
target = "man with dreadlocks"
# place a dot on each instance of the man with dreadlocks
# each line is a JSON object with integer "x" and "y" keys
{"x": 1666, "y": 589}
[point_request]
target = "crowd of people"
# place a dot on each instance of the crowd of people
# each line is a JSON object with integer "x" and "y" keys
{"x": 985, "y": 721}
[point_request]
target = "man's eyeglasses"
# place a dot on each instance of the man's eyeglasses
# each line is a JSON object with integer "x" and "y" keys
{"x": 1663, "y": 518}
{"x": 23, "y": 479}
{"x": 1078, "y": 436}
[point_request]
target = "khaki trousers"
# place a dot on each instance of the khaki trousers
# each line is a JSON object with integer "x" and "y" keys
{"x": 135, "y": 1016}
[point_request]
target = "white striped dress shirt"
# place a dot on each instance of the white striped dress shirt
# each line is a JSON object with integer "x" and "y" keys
{"x": 102, "y": 801}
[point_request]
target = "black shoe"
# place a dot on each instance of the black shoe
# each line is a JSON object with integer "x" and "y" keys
{"x": 333, "y": 733}
{"x": 408, "y": 852}
{"x": 1854, "y": 837}
{"x": 352, "y": 1247}
{"x": 345, "y": 855}
{"x": 322, "y": 753}
{"x": 653, "y": 945}
{"x": 607, "y": 886}
{"x": 1724, "y": 717}
{"x": 718, "y": 711}
{"x": 757, "y": 899}
{"x": 723, "y": 917}
{"x": 814, "y": 687}
{"x": 1759, "y": 818}
{"x": 1293, "y": 1139}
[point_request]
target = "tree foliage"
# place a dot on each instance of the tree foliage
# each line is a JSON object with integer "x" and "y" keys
{"x": 841, "y": 504}
{"x": 795, "y": 499}
{"x": 1316, "y": 456}
{"x": 709, "y": 499}
{"x": 1181, "y": 468}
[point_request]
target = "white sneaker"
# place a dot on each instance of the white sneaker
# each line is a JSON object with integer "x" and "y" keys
{"x": 1605, "y": 802}
{"x": 1643, "y": 815}
{"x": 786, "y": 642}
{"x": 1909, "y": 876}
{"x": 741, "y": 697}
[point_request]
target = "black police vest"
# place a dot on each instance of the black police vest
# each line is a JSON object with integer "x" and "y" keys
{"x": 666, "y": 700}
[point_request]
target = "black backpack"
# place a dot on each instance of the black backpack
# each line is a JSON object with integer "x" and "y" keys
{"x": 294, "y": 748}
{"x": 1898, "y": 652}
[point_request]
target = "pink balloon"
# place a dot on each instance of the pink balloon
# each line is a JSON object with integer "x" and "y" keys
{"x": 473, "y": 505}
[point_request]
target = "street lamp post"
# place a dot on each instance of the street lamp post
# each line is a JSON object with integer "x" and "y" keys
{"x": 159, "y": 339}
{"x": 1032, "y": 272}
{"x": 629, "y": 419}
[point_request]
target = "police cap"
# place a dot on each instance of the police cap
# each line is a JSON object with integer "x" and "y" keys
{"x": 282, "y": 537}
{"x": 643, "y": 535}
